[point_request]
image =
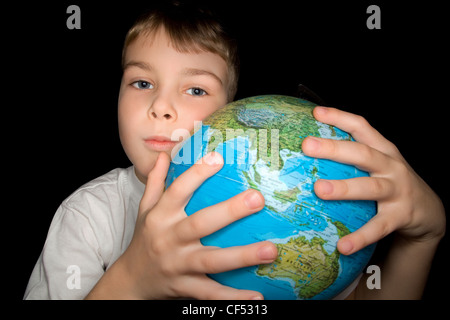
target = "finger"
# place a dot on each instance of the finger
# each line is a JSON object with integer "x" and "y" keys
{"x": 362, "y": 188}
{"x": 215, "y": 260}
{"x": 349, "y": 152}
{"x": 203, "y": 288}
{"x": 213, "y": 218}
{"x": 376, "y": 229}
{"x": 358, "y": 127}
{"x": 155, "y": 182}
{"x": 180, "y": 191}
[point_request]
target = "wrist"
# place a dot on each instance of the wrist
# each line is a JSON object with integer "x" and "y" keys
{"x": 117, "y": 283}
{"x": 427, "y": 242}
{"x": 429, "y": 232}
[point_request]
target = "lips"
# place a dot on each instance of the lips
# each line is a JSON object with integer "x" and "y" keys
{"x": 160, "y": 143}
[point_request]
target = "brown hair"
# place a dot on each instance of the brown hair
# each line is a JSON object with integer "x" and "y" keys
{"x": 190, "y": 29}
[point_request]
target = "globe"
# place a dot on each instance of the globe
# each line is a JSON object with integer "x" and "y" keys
{"x": 260, "y": 140}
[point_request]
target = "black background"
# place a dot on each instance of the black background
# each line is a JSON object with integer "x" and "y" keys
{"x": 60, "y": 125}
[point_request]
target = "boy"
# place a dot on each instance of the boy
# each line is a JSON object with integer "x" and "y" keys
{"x": 130, "y": 239}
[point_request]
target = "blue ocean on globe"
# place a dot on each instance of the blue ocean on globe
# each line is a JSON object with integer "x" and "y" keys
{"x": 260, "y": 139}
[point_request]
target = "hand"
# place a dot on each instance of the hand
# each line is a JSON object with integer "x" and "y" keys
{"x": 165, "y": 258}
{"x": 406, "y": 204}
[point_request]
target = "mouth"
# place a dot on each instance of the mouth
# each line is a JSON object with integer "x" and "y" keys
{"x": 160, "y": 143}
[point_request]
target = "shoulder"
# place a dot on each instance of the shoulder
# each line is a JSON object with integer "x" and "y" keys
{"x": 104, "y": 190}
{"x": 96, "y": 215}
{"x": 90, "y": 229}
{"x": 105, "y": 207}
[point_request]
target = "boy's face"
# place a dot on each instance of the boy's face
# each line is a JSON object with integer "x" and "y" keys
{"x": 163, "y": 90}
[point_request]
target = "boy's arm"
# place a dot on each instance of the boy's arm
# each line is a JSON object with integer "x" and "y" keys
{"x": 165, "y": 258}
{"x": 404, "y": 271}
{"x": 406, "y": 204}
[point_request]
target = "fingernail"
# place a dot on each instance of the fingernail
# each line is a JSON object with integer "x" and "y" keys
{"x": 257, "y": 298}
{"x": 213, "y": 159}
{"x": 346, "y": 246}
{"x": 326, "y": 187}
{"x": 267, "y": 253}
{"x": 313, "y": 143}
{"x": 253, "y": 200}
{"x": 321, "y": 110}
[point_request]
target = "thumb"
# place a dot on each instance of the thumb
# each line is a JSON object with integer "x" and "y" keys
{"x": 154, "y": 187}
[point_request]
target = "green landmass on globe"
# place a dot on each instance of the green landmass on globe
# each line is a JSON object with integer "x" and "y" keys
{"x": 260, "y": 139}
{"x": 299, "y": 259}
{"x": 293, "y": 121}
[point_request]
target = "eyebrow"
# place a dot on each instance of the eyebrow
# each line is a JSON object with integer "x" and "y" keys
{"x": 185, "y": 72}
{"x": 140, "y": 64}
{"x": 200, "y": 72}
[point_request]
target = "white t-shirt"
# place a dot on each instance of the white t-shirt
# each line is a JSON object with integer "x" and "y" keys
{"x": 89, "y": 232}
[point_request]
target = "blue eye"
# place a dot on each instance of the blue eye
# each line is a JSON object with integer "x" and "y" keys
{"x": 141, "y": 84}
{"x": 196, "y": 92}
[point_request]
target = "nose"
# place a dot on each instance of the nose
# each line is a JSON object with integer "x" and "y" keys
{"x": 162, "y": 108}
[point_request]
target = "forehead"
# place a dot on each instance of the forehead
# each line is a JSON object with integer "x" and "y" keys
{"x": 157, "y": 49}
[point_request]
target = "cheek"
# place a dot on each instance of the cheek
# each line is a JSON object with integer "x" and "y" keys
{"x": 127, "y": 124}
{"x": 196, "y": 113}
{"x": 129, "y": 111}
{"x": 123, "y": 118}
{"x": 187, "y": 120}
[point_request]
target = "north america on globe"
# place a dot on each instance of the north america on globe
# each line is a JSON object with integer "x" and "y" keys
{"x": 260, "y": 140}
